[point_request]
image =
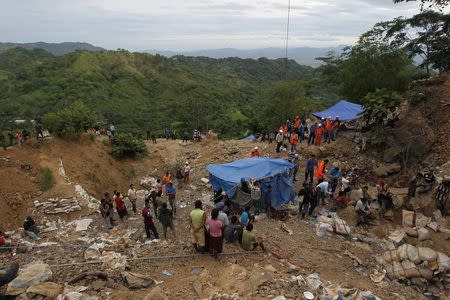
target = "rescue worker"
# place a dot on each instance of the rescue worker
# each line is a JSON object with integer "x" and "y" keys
{"x": 321, "y": 171}
{"x": 319, "y": 133}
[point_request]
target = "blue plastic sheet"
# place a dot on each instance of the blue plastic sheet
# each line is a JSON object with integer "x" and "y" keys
{"x": 346, "y": 111}
{"x": 278, "y": 173}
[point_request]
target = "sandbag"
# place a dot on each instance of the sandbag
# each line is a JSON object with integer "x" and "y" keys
{"x": 425, "y": 272}
{"x": 410, "y": 231}
{"x": 427, "y": 254}
{"x": 407, "y": 218}
{"x": 323, "y": 219}
{"x": 398, "y": 270}
{"x": 410, "y": 269}
{"x": 343, "y": 229}
{"x": 421, "y": 220}
{"x": 390, "y": 256}
{"x": 423, "y": 234}
{"x": 443, "y": 262}
{"x": 407, "y": 251}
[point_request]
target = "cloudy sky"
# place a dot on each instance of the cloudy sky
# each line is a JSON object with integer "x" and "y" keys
{"x": 193, "y": 24}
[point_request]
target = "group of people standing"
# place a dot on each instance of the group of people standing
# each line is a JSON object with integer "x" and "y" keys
{"x": 292, "y": 133}
{"x": 209, "y": 232}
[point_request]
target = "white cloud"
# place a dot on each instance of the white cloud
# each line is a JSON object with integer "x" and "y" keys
{"x": 185, "y": 25}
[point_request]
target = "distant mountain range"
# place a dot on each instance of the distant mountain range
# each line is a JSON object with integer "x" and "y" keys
{"x": 53, "y": 48}
{"x": 303, "y": 55}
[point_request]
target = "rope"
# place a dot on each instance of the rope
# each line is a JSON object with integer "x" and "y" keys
{"x": 91, "y": 262}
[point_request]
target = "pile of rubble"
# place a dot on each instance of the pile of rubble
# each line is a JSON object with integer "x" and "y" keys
{"x": 58, "y": 206}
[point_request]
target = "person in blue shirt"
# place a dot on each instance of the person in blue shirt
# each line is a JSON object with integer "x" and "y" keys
{"x": 171, "y": 192}
{"x": 167, "y": 133}
{"x": 334, "y": 174}
{"x": 246, "y": 217}
{"x": 311, "y": 164}
{"x": 312, "y": 134}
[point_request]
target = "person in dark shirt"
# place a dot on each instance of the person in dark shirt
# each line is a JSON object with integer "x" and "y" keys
{"x": 148, "y": 222}
{"x": 309, "y": 200}
{"x": 165, "y": 216}
{"x": 233, "y": 232}
{"x": 30, "y": 228}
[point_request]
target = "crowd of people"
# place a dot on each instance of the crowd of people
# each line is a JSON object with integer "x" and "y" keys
{"x": 294, "y": 132}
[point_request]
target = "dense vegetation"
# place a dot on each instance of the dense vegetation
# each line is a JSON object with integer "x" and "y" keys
{"x": 140, "y": 92}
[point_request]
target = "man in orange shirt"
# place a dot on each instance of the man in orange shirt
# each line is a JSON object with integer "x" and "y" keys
{"x": 294, "y": 141}
{"x": 321, "y": 170}
{"x": 319, "y": 133}
{"x": 328, "y": 129}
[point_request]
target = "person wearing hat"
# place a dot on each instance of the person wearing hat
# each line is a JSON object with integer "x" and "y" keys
{"x": 319, "y": 133}
{"x": 279, "y": 140}
{"x": 256, "y": 153}
{"x": 187, "y": 172}
{"x": 222, "y": 216}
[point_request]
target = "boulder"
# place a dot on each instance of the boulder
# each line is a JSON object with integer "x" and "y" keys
{"x": 391, "y": 154}
{"x": 29, "y": 275}
{"x": 156, "y": 294}
{"x": 387, "y": 169}
{"x": 136, "y": 281}
{"x": 47, "y": 289}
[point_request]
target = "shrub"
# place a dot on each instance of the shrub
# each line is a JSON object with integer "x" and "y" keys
{"x": 126, "y": 145}
{"x": 71, "y": 121}
{"x": 379, "y": 104}
{"x": 47, "y": 180}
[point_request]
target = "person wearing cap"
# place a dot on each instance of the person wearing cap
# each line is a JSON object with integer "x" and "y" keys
{"x": 335, "y": 128}
{"x": 319, "y": 133}
{"x": 222, "y": 216}
{"x": 255, "y": 152}
{"x": 279, "y": 140}
{"x": 187, "y": 172}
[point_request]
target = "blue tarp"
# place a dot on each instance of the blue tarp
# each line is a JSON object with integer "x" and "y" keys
{"x": 249, "y": 138}
{"x": 346, "y": 111}
{"x": 278, "y": 173}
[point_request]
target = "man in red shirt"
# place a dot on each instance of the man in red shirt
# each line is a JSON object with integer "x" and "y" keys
{"x": 256, "y": 153}
{"x": 120, "y": 206}
{"x": 340, "y": 201}
{"x": 148, "y": 221}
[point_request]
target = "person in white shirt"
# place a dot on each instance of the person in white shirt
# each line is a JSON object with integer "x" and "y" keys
{"x": 187, "y": 171}
{"x": 322, "y": 190}
{"x": 222, "y": 216}
{"x": 132, "y": 196}
{"x": 363, "y": 211}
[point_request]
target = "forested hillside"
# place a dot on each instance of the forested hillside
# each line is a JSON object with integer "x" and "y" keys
{"x": 53, "y": 48}
{"x": 140, "y": 92}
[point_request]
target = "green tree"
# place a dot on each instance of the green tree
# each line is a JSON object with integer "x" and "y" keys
{"x": 427, "y": 4}
{"x": 379, "y": 104}
{"x": 369, "y": 65}
{"x": 426, "y": 35}
{"x": 71, "y": 121}
{"x": 126, "y": 145}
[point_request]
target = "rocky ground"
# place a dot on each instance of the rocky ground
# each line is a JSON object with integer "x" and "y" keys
{"x": 300, "y": 258}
